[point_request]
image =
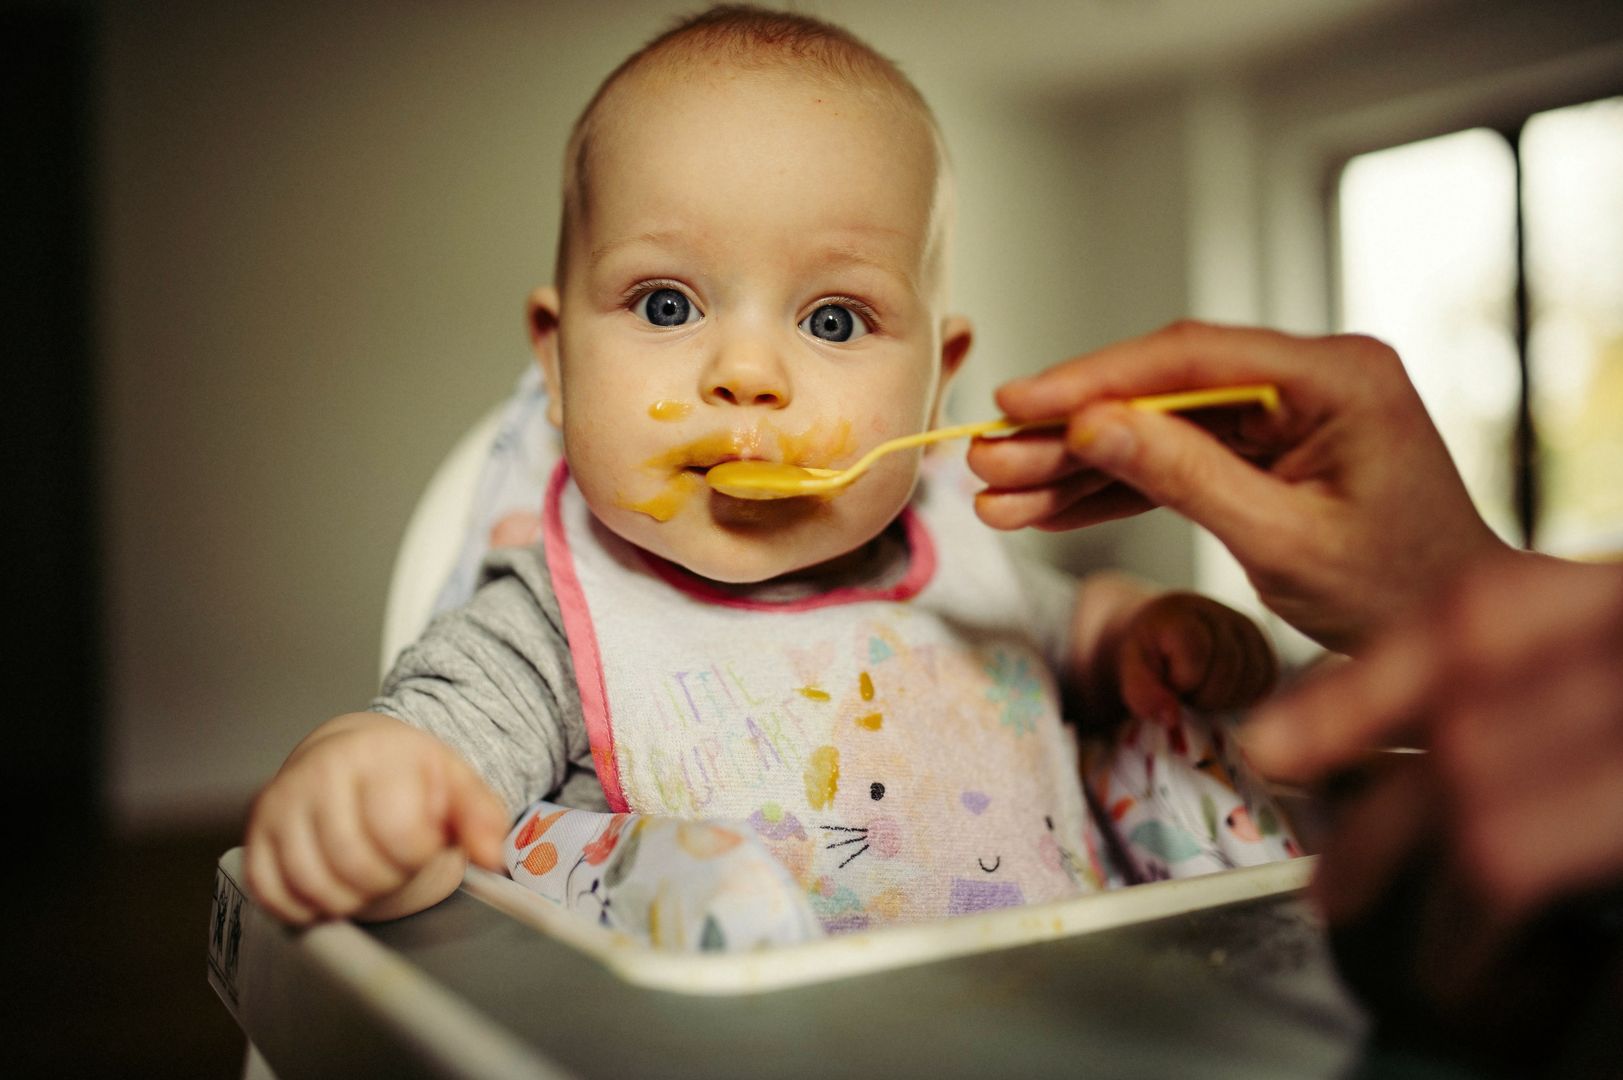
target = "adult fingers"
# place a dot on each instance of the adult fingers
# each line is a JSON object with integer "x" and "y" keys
{"x": 1021, "y": 461}
{"x": 1499, "y": 634}
{"x": 1374, "y": 834}
{"x": 1333, "y": 719}
{"x": 1183, "y": 356}
{"x": 1017, "y": 509}
{"x": 1177, "y": 464}
{"x": 1038, "y": 458}
{"x": 1112, "y": 503}
{"x": 1522, "y": 612}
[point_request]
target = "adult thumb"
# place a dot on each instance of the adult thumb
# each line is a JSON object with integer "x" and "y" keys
{"x": 1179, "y": 465}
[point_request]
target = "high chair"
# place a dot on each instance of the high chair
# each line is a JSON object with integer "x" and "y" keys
{"x": 433, "y": 537}
{"x": 1223, "y": 975}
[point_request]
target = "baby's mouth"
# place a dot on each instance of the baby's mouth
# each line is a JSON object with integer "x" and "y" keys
{"x": 702, "y": 467}
{"x": 816, "y": 447}
{"x": 698, "y": 456}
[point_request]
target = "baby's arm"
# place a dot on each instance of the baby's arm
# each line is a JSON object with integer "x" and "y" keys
{"x": 369, "y": 817}
{"x": 1137, "y": 653}
{"x": 372, "y": 813}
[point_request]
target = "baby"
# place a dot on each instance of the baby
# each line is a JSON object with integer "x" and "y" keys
{"x": 752, "y": 264}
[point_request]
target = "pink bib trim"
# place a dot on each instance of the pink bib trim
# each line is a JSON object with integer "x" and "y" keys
{"x": 583, "y": 651}
{"x": 920, "y": 569}
{"x": 583, "y": 647}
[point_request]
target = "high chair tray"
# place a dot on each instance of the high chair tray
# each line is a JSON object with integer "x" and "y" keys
{"x": 1226, "y": 975}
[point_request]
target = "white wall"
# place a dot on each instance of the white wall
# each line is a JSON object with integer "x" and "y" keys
{"x": 318, "y": 227}
{"x": 318, "y": 223}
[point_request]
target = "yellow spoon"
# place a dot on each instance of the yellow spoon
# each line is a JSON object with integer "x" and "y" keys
{"x": 780, "y": 480}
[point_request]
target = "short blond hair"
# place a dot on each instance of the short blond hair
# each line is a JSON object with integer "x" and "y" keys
{"x": 747, "y": 38}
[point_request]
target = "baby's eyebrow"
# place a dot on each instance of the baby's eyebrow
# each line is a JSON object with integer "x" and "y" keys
{"x": 653, "y": 238}
{"x": 849, "y": 255}
{"x": 833, "y": 253}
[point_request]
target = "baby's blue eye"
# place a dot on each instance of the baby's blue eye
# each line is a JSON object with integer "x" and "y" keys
{"x": 666, "y": 307}
{"x": 834, "y": 322}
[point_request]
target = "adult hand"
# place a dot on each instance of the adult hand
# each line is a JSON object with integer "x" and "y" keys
{"x": 1343, "y": 505}
{"x": 1514, "y": 687}
{"x": 1473, "y": 890}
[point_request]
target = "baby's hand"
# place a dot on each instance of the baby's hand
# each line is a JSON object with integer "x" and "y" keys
{"x": 358, "y": 812}
{"x": 1182, "y": 650}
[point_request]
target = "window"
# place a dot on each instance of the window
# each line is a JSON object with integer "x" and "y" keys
{"x": 1493, "y": 263}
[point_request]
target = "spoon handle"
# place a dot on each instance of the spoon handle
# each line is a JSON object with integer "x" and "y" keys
{"x": 958, "y": 431}
{"x": 1264, "y": 394}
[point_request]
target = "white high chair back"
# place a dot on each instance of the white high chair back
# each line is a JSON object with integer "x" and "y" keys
{"x": 487, "y": 490}
{"x": 433, "y": 538}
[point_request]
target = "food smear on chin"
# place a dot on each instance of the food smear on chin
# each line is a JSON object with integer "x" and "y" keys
{"x": 669, "y": 500}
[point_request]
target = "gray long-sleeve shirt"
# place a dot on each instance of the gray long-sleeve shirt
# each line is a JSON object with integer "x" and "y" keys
{"x": 493, "y": 680}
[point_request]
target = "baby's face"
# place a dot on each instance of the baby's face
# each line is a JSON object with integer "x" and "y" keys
{"x": 753, "y": 277}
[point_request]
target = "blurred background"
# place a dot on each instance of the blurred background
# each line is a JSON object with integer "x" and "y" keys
{"x": 269, "y": 262}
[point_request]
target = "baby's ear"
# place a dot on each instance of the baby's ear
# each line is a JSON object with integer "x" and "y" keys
{"x": 957, "y": 335}
{"x": 541, "y": 315}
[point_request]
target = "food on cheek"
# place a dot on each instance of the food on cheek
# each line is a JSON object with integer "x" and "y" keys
{"x": 670, "y": 410}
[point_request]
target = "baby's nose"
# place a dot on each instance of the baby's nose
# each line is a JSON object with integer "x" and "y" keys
{"x": 746, "y": 373}
{"x": 747, "y": 392}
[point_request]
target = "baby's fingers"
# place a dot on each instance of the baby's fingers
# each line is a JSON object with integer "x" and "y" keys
{"x": 1188, "y": 645}
{"x": 1187, "y": 649}
{"x": 1145, "y": 687}
{"x": 1238, "y": 668}
{"x": 309, "y": 875}
{"x": 285, "y": 867}
{"x": 266, "y": 884}
{"x": 477, "y": 817}
{"x": 413, "y": 813}
{"x": 355, "y": 858}
{"x": 402, "y": 812}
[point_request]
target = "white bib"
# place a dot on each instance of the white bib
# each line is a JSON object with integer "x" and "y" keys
{"x": 899, "y": 749}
